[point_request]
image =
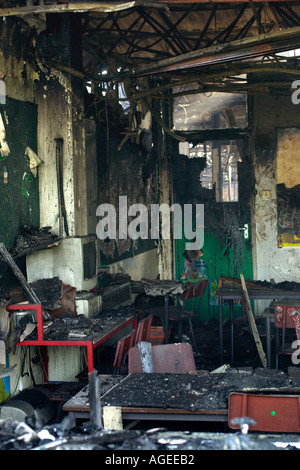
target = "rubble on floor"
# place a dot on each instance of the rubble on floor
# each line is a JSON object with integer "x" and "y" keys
{"x": 67, "y": 436}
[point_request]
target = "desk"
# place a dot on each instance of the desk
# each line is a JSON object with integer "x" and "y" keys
{"x": 182, "y": 397}
{"x": 259, "y": 293}
{"x": 147, "y": 397}
{"x": 90, "y": 342}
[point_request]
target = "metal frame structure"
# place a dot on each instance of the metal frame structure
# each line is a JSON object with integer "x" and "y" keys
{"x": 231, "y": 294}
{"x": 89, "y": 344}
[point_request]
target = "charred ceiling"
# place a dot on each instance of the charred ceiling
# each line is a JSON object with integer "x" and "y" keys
{"x": 136, "y": 51}
{"x": 147, "y": 37}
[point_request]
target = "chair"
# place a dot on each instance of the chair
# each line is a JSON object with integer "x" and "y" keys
{"x": 123, "y": 346}
{"x": 286, "y": 317}
{"x": 178, "y": 314}
{"x": 195, "y": 290}
{"x": 167, "y": 358}
{"x": 143, "y": 330}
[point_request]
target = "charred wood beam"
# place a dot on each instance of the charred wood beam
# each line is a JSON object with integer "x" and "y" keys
{"x": 173, "y": 32}
{"x": 292, "y": 12}
{"x": 131, "y": 61}
{"x": 211, "y": 16}
{"x": 158, "y": 29}
{"x": 169, "y": 38}
{"x": 263, "y": 44}
{"x": 257, "y": 17}
{"x": 242, "y": 33}
{"x": 284, "y": 14}
{"x": 104, "y": 7}
{"x": 80, "y": 6}
{"x": 227, "y": 31}
{"x": 122, "y": 36}
{"x": 135, "y": 38}
{"x": 275, "y": 17}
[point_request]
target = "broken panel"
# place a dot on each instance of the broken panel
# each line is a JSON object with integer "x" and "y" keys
{"x": 288, "y": 186}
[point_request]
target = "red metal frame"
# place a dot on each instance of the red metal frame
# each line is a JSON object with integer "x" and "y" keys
{"x": 89, "y": 344}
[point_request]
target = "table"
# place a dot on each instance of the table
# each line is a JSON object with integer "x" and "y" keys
{"x": 201, "y": 396}
{"x": 90, "y": 342}
{"x": 167, "y": 288}
{"x": 79, "y": 405}
{"x": 259, "y": 293}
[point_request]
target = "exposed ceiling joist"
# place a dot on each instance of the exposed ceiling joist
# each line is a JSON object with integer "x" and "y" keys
{"x": 269, "y": 43}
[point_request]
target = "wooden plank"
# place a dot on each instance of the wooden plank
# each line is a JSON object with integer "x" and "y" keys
{"x": 27, "y": 288}
{"x": 253, "y": 326}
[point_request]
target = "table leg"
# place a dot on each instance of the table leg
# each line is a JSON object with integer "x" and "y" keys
{"x": 180, "y": 321}
{"x": 231, "y": 327}
{"x": 268, "y": 335}
{"x": 166, "y": 318}
{"x": 90, "y": 357}
{"x": 221, "y": 327}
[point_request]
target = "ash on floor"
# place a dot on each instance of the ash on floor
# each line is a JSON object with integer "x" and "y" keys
{"x": 197, "y": 391}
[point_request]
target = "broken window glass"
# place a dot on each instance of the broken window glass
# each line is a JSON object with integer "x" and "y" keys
{"x": 214, "y": 110}
{"x": 221, "y": 170}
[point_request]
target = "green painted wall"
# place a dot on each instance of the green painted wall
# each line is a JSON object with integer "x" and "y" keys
{"x": 17, "y": 209}
{"x": 238, "y": 260}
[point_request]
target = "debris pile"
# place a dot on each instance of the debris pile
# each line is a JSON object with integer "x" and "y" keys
{"x": 71, "y": 327}
{"x": 33, "y": 239}
{"x": 67, "y": 436}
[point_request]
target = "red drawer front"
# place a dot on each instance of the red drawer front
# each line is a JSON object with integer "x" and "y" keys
{"x": 272, "y": 413}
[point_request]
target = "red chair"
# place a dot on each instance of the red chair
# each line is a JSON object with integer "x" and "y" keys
{"x": 143, "y": 330}
{"x": 123, "y": 346}
{"x": 286, "y": 319}
{"x": 167, "y": 358}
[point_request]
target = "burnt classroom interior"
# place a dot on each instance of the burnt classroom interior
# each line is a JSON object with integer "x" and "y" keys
{"x": 117, "y": 108}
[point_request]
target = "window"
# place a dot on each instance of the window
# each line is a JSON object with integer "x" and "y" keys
{"x": 212, "y": 110}
{"x": 221, "y": 170}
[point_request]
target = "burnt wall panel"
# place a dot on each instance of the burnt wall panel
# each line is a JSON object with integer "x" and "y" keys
{"x": 127, "y": 172}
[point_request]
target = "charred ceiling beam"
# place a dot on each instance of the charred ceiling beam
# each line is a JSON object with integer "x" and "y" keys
{"x": 70, "y": 7}
{"x": 243, "y": 32}
{"x": 292, "y": 12}
{"x": 273, "y": 14}
{"x": 175, "y": 33}
{"x": 257, "y": 17}
{"x": 136, "y": 37}
{"x": 158, "y": 29}
{"x": 263, "y": 44}
{"x": 122, "y": 35}
{"x": 292, "y": 21}
{"x": 223, "y": 35}
{"x": 211, "y": 16}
